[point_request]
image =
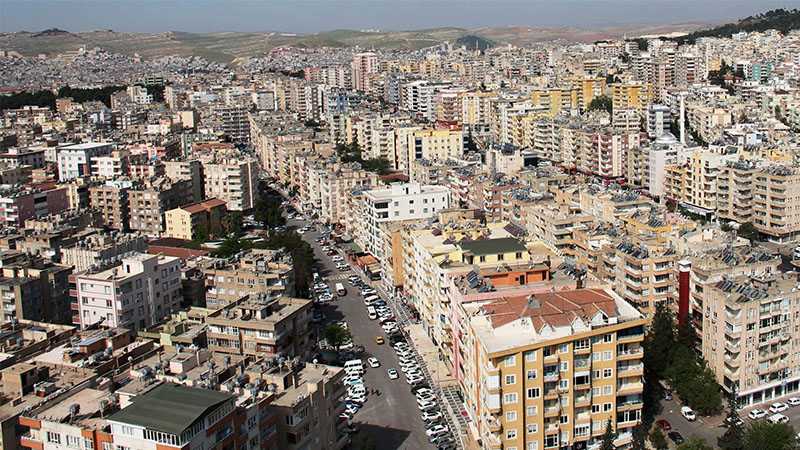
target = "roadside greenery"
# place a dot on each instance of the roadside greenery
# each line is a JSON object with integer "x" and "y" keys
{"x": 336, "y": 335}
{"x": 352, "y": 153}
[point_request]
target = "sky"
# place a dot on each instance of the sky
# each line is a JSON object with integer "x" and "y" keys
{"x": 308, "y": 16}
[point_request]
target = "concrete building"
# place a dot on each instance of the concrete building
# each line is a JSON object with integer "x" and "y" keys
{"x": 658, "y": 120}
{"x": 138, "y": 292}
{"x": 32, "y": 288}
{"x": 77, "y": 160}
{"x": 550, "y": 370}
{"x": 262, "y": 326}
{"x": 232, "y": 180}
{"x": 364, "y": 65}
{"x": 99, "y": 247}
{"x": 150, "y": 201}
{"x": 18, "y": 204}
{"x": 111, "y": 199}
{"x": 254, "y": 272}
{"x": 185, "y": 222}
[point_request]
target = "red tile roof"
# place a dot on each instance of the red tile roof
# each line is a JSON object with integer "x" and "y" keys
{"x": 556, "y": 309}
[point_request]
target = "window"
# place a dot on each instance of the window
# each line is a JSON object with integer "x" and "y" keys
{"x": 534, "y": 445}
{"x": 500, "y": 257}
{"x": 88, "y": 443}
{"x": 608, "y": 373}
{"x": 563, "y": 366}
{"x": 563, "y": 385}
{"x": 511, "y": 416}
{"x": 534, "y": 392}
{"x": 533, "y": 428}
{"x": 73, "y": 441}
{"x": 531, "y": 374}
{"x": 581, "y": 430}
{"x": 596, "y": 356}
{"x": 532, "y": 411}
{"x": 608, "y": 355}
{"x": 511, "y": 379}
{"x": 608, "y": 338}
{"x": 582, "y": 344}
{"x": 530, "y": 356}
{"x": 511, "y": 360}
{"x": 510, "y": 398}
{"x": 563, "y": 348}
{"x": 608, "y": 390}
{"x": 595, "y": 409}
{"x": 511, "y": 434}
{"x": 551, "y": 441}
{"x": 126, "y": 430}
{"x": 596, "y": 391}
{"x": 54, "y": 438}
{"x": 563, "y": 419}
{"x": 606, "y": 407}
{"x": 595, "y": 374}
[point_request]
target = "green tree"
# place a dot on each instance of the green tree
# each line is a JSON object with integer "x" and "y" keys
{"x": 687, "y": 334}
{"x": 704, "y": 395}
{"x": 607, "y": 440}
{"x": 733, "y": 438}
{"x": 659, "y": 343}
{"x": 270, "y": 212}
{"x": 695, "y": 443}
{"x": 639, "y": 437}
{"x": 233, "y": 223}
{"x": 763, "y": 435}
{"x": 200, "y": 234}
{"x": 336, "y": 335}
{"x": 232, "y": 245}
{"x": 748, "y": 231}
{"x": 380, "y": 165}
{"x": 601, "y": 103}
{"x": 365, "y": 442}
{"x": 658, "y": 439}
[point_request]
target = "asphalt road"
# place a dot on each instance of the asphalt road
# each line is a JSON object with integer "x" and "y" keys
{"x": 392, "y": 418}
{"x": 709, "y": 428}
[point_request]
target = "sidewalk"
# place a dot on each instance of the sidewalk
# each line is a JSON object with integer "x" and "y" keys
{"x": 438, "y": 370}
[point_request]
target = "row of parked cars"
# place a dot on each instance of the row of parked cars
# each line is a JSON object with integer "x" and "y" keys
{"x": 356, "y": 390}
{"x": 436, "y": 429}
{"x": 776, "y": 409}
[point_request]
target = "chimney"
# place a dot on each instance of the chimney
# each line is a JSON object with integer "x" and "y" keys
{"x": 684, "y": 272}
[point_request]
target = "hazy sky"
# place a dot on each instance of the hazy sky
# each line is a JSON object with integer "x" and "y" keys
{"x": 305, "y": 16}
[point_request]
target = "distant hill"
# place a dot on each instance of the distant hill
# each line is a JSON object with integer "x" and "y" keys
{"x": 783, "y": 20}
{"x": 474, "y": 42}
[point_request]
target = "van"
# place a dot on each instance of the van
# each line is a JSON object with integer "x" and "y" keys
{"x": 354, "y": 363}
{"x": 372, "y": 313}
{"x": 688, "y": 413}
{"x": 371, "y": 299}
{"x": 778, "y": 418}
{"x": 340, "y": 289}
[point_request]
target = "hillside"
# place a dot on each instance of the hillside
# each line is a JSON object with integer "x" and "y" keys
{"x": 782, "y": 20}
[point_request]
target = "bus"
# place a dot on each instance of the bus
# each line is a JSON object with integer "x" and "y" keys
{"x": 340, "y": 290}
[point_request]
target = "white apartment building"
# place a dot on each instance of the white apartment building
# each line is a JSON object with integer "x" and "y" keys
{"x": 140, "y": 291}
{"x": 665, "y": 151}
{"x": 401, "y": 201}
{"x": 77, "y": 160}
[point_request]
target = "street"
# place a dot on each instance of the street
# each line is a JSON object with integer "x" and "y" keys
{"x": 392, "y": 419}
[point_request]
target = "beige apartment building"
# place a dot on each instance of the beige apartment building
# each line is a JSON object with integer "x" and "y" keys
{"x": 149, "y": 203}
{"x": 550, "y": 370}
{"x": 262, "y": 326}
{"x": 111, "y": 199}
{"x": 255, "y": 272}
{"x": 233, "y": 181}
{"x": 631, "y": 96}
{"x": 186, "y": 221}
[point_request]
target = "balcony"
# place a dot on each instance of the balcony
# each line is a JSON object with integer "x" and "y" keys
{"x": 583, "y": 400}
{"x": 553, "y": 411}
{"x": 492, "y": 441}
{"x": 630, "y": 338}
{"x": 494, "y": 424}
{"x": 626, "y": 406}
{"x": 632, "y": 370}
{"x": 623, "y": 355}
{"x": 628, "y": 388}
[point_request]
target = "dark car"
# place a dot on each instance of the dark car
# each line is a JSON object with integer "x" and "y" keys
{"x": 675, "y": 436}
{"x": 667, "y": 395}
{"x": 664, "y": 424}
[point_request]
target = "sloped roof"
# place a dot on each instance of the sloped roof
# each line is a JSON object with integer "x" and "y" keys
{"x": 556, "y": 309}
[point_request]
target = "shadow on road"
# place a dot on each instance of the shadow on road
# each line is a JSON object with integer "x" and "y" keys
{"x": 385, "y": 438}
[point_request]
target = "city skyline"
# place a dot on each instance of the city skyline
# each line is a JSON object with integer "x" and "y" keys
{"x": 253, "y": 16}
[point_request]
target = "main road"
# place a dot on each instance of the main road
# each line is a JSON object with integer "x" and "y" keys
{"x": 391, "y": 418}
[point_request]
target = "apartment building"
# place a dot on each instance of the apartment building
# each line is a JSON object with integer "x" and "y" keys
{"x": 20, "y": 203}
{"x": 136, "y": 293}
{"x": 735, "y": 191}
{"x": 631, "y": 96}
{"x": 364, "y": 65}
{"x": 98, "y": 247}
{"x": 307, "y": 404}
{"x": 190, "y": 169}
{"x": 32, "y": 288}
{"x": 255, "y": 272}
{"x": 185, "y": 222}
{"x": 400, "y": 202}
{"x": 150, "y": 201}
{"x": 439, "y": 143}
{"x": 261, "y": 325}
{"x": 588, "y": 88}
{"x": 78, "y": 160}
{"x": 113, "y": 165}
{"x": 776, "y": 207}
{"x": 694, "y": 185}
{"x": 235, "y": 122}
{"x": 556, "y": 100}
{"x": 658, "y": 120}
{"x": 111, "y": 199}
{"x": 550, "y": 370}
{"x": 555, "y": 223}
{"x": 232, "y": 180}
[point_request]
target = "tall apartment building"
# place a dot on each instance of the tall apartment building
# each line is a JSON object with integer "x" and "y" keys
{"x": 149, "y": 202}
{"x": 261, "y": 326}
{"x": 111, "y": 199}
{"x": 401, "y": 201}
{"x": 189, "y": 169}
{"x": 32, "y": 288}
{"x": 255, "y": 272}
{"x": 235, "y": 122}
{"x": 18, "y": 204}
{"x": 588, "y": 88}
{"x": 364, "y": 65}
{"x": 138, "y": 292}
{"x": 77, "y": 160}
{"x": 631, "y": 96}
{"x": 658, "y": 120}
{"x": 735, "y": 191}
{"x": 550, "y": 370}
{"x": 99, "y": 247}
{"x": 438, "y": 143}
{"x": 232, "y": 180}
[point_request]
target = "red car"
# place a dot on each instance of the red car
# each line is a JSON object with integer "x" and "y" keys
{"x": 331, "y": 253}
{"x": 664, "y": 424}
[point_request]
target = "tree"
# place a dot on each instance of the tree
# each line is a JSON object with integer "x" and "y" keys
{"x": 733, "y": 438}
{"x": 748, "y": 231}
{"x": 302, "y": 255}
{"x": 763, "y": 435}
{"x": 379, "y": 165}
{"x": 337, "y": 335}
{"x": 695, "y": 443}
{"x": 200, "y": 234}
{"x": 607, "y": 440}
{"x": 270, "y": 212}
{"x": 687, "y": 334}
{"x": 365, "y": 442}
{"x": 659, "y": 343}
{"x": 601, "y": 103}
{"x": 658, "y": 439}
{"x": 639, "y": 437}
{"x": 233, "y": 223}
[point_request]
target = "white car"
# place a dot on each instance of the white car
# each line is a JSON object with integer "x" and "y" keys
{"x": 688, "y": 413}
{"x": 430, "y": 416}
{"x": 373, "y": 362}
{"x": 436, "y": 429}
{"x": 415, "y": 380}
{"x": 778, "y": 407}
{"x": 757, "y": 414}
{"x": 336, "y": 258}
{"x": 793, "y": 401}
{"x": 393, "y": 375}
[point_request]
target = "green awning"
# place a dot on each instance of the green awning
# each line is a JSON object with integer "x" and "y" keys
{"x": 354, "y": 247}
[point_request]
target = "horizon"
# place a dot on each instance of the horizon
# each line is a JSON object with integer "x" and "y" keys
{"x": 316, "y": 16}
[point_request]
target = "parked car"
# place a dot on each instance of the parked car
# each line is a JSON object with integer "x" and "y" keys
{"x": 664, "y": 424}
{"x": 436, "y": 430}
{"x": 667, "y": 395}
{"x": 676, "y": 437}
{"x": 393, "y": 375}
{"x": 688, "y": 413}
{"x": 379, "y": 340}
{"x": 778, "y": 418}
{"x": 778, "y": 407}
{"x": 793, "y": 401}
{"x": 373, "y": 362}
{"x": 757, "y": 414}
